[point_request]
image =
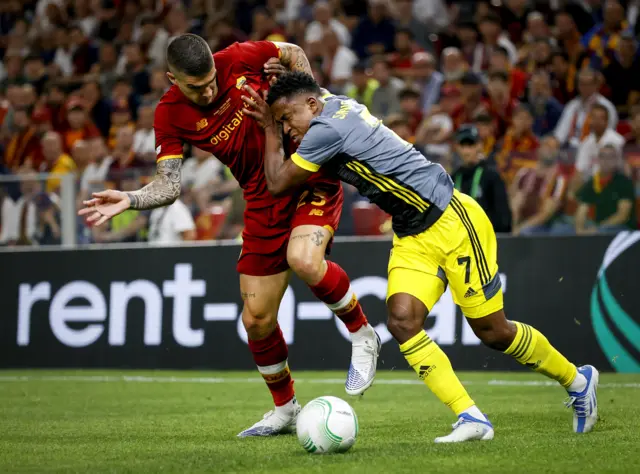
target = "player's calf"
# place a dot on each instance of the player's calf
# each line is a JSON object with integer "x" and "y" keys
{"x": 531, "y": 348}
{"x": 330, "y": 284}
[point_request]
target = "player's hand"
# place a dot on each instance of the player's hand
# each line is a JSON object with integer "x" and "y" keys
{"x": 104, "y": 206}
{"x": 256, "y": 106}
{"x": 273, "y": 68}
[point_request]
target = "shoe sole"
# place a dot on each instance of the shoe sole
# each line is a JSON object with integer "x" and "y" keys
{"x": 368, "y": 385}
{"x": 488, "y": 436}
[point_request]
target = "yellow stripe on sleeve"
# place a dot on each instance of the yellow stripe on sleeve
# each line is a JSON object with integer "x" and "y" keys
{"x": 168, "y": 157}
{"x": 304, "y": 164}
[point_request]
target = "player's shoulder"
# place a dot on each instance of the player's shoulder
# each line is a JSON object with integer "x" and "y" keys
{"x": 172, "y": 109}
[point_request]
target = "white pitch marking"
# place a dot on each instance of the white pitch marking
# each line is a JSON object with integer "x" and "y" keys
{"x": 216, "y": 380}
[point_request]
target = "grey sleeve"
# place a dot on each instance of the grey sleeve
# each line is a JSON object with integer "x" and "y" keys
{"x": 321, "y": 143}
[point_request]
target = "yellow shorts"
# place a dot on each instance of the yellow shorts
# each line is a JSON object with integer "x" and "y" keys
{"x": 460, "y": 249}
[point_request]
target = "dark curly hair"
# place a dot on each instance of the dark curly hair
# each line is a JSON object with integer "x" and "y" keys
{"x": 291, "y": 83}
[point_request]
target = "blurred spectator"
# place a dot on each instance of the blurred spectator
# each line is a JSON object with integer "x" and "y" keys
{"x": 200, "y": 171}
{"x": 323, "y": 19}
{"x": 222, "y": 34}
{"x": 11, "y": 72}
{"x": 574, "y": 123}
{"x": 400, "y": 125}
{"x": 486, "y": 129}
{"x": 22, "y": 146}
{"x": 492, "y": 36}
{"x": 82, "y": 156}
{"x": 84, "y": 53}
{"x": 79, "y": 125}
{"x": 537, "y": 28}
{"x": 501, "y": 105}
{"x": 144, "y": 141}
{"x": 135, "y": 68}
{"x": 57, "y": 161}
{"x": 86, "y": 19}
{"x": 35, "y": 73}
{"x": 499, "y": 61}
{"x": 564, "y": 77}
{"x": 540, "y": 56}
{"x": 583, "y": 13}
{"x": 63, "y": 58}
{"x": 453, "y": 67}
{"x": 432, "y": 13}
{"x": 120, "y": 118}
{"x": 633, "y": 136}
{"x": 95, "y": 172}
{"x": 600, "y": 136}
{"x": 123, "y": 155}
{"x": 55, "y": 99}
{"x": 106, "y": 68}
{"x": 427, "y": 78}
{"x": 610, "y": 193}
{"x": 129, "y": 226}
{"x": 338, "y": 60}
{"x": 109, "y": 21}
{"x": 154, "y": 40}
{"x": 98, "y": 107}
{"x": 375, "y": 32}
{"x": 385, "y": 99}
{"x": 413, "y": 28}
{"x": 624, "y": 65}
{"x": 436, "y": 130}
{"x": 362, "y": 86}
{"x": 159, "y": 85}
{"x": 471, "y": 101}
{"x": 265, "y": 27}
{"x": 467, "y": 36}
{"x": 545, "y": 108}
{"x": 539, "y": 195}
{"x": 514, "y": 15}
{"x": 401, "y": 60}
{"x": 518, "y": 145}
{"x": 481, "y": 181}
{"x": 410, "y": 108}
{"x": 171, "y": 224}
{"x": 602, "y": 39}
{"x": 569, "y": 39}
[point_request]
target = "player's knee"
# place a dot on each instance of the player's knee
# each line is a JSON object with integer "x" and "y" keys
{"x": 258, "y": 323}
{"x": 307, "y": 266}
{"x": 498, "y": 336}
{"x": 402, "y": 322}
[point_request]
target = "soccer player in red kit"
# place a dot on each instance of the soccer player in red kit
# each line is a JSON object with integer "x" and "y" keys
{"x": 204, "y": 108}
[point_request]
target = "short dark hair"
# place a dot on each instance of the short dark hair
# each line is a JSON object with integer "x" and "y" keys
{"x": 491, "y": 17}
{"x": 408, "y": 93}
{"x": 501, "y": 50}
{"x": 405, "y": 31}
{"x": 190, "y": 55}
{"x": 599, "y": 106}
{"x": 560, "y": 54}
{"x": 292, "y": 83}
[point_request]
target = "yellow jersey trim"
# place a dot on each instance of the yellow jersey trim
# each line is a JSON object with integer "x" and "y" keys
{"x": 304, "y": 164}
{"x": 168, "y": 157}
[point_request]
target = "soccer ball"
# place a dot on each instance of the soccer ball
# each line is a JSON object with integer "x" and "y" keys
{"x": 327, "y": 425}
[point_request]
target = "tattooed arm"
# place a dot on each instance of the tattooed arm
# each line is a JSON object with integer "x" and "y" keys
{"x": 163, "y": 190}
{"x": 293, "y": 57}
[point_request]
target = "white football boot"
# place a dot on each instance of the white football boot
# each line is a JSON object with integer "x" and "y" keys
{"x": 585, "y": 403}
{"x": 281, "y": 420}
{"x": 365, "y": 349}
{"x": 468, "y": 428}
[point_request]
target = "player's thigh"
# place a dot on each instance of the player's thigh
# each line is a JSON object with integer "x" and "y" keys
{"x": 262, "y": 296}
{"x": 416, "y": 269}
{"x": 472, "y": 267}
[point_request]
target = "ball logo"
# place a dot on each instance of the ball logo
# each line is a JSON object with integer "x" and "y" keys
{"x": 607, "y": 313}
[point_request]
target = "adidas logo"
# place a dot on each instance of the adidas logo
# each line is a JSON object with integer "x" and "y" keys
{"x": 470, "y": 292}
{"x": 425, "y": 370}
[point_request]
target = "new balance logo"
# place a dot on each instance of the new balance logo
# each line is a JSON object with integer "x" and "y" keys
{"x": 470, "y": 292}
{"x": 425, "y": 370}
{"x": 201, "y": 124}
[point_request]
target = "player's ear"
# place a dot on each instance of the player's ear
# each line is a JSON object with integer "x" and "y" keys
{"x": 312, "y": 102}
{"x": 171, "y": 77}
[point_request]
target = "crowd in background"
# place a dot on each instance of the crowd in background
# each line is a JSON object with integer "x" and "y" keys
{"x": 547, "y": 92}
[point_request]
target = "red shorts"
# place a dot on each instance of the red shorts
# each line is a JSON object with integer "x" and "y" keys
{"x": 266, "y": 233}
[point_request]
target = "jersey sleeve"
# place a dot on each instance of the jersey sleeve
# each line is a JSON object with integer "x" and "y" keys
{"x": 168, "y": 143}
{"x": 321, "y": 143}
{"x": 255, "y": 53}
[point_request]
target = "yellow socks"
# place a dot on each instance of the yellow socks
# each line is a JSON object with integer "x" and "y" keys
{"x": 532, "y": 349}
{"x": 434, "y": 368}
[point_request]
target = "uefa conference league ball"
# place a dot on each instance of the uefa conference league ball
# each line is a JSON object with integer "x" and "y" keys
{"x": 327, "y": 425}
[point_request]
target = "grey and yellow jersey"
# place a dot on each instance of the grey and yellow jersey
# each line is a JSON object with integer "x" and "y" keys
{"x": 348, "y": 141}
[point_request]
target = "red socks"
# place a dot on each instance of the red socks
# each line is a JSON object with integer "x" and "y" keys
{"x": 335, "y": 291}
{"x": 270, "y": 355}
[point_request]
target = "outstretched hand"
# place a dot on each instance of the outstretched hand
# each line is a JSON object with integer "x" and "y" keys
{"x": 104, "y": 206}
{"x": 256, "y": 107}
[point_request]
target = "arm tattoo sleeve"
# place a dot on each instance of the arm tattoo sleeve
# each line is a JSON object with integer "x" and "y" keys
{"x": 163, "y": 190}
{"x": 293, "y": 58}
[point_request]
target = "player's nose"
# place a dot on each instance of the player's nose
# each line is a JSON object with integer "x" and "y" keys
{"x": 286, "y": 128}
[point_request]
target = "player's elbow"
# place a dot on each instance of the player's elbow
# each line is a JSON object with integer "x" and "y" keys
{"x": 276, "y": 189}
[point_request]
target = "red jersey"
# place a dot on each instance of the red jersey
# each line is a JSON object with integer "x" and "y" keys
{"x": 221, "y": 128}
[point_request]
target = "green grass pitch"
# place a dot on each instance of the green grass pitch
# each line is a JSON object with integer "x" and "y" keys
{"x": 182, "y": 422}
